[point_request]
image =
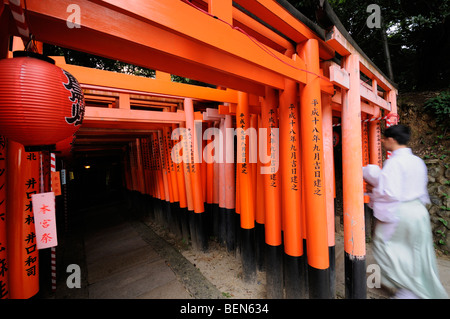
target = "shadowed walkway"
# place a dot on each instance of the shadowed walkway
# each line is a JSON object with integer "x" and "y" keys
{"x": 122, "y": 258}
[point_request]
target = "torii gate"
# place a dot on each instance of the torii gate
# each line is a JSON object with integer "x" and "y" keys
{"x": 218, "y": 42}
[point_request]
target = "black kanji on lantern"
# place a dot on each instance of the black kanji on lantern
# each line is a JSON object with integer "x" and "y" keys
{"x": 77, "y": 98}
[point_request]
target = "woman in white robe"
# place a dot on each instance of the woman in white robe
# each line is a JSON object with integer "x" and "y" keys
{"x": 403, "y": 242}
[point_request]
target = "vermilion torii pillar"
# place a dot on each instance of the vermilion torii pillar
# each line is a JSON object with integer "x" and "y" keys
{"x": 195, "y": 173}
{"x": 314, "y": 174}
{"x": 230, "y": 183}
{"x": 327, "y": 126}
{"x": 246, "y": 189}
{"x": 290, "y": 168}
{"x": 354, "y": 226}
{"x": 272, "y": 195}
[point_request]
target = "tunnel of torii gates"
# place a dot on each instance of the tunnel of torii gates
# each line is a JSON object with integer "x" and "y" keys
{"x": 272, "y": 68}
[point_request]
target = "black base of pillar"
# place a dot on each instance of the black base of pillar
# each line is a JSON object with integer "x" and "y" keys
{"x": 319, "y": 283}
{"x": 215, "y": 219}
{"x": 248, "y": 254}
{"x": 295, "y": 278}
{"x": 150, "y": 207}
{"x": 355, "y": 277}
{"x": 230, "y": 222}
{"x": 158, "y": 211}
{"x": 222, "y": 236}
{"x": 184, "y": 220}
{"x": 274, "y": 271}
{"x": 332, "y": 254}
{"x": 202, "y": 238}
{"x": 166, "y": 213}
{"x": 193, "y": 229}
{"x": 209, "y": 220}
{"x": 259, "y": 245}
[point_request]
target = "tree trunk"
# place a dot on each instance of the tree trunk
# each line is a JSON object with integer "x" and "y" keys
{"x": 387, "y": 55}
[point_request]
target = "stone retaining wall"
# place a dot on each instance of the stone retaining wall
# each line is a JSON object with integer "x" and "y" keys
{"x": 439, "y": 190}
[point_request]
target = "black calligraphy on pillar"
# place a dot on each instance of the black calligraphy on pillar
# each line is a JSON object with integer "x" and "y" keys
{"x": 76, "y": 98}
{"x": 316, "y": 149}
{"x": 156, "y": 152}
{"x": 30, "y": 248}
{"x": 189, "y": 147}
{"x": 273, "y": 166}
{"x": 292, "y": 148}
{"x": 242, "y": 144}
{"x": 168, "y": 144}
{"x": 3, "y": 264}
{"x": 378, "y": 134}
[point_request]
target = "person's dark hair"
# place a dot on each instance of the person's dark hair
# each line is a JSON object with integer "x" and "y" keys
{"x": 398, "y": 132}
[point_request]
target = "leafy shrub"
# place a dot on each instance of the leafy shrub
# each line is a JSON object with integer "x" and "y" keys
{"x": 439, "y": 106}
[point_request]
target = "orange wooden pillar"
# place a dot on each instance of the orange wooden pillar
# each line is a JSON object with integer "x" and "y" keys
{"x": 140, "y": 166}
{"x": 23, "y": 257}
{"x": 220, "y": 149}
{"x": 147, "y": 196}
{"x": 208, "y": 157}
{"x": 230, "y": 182}
{"x": 215, "y": 209}
{"x": 174, "y": 205}
{"x": 314, "y": 174}
{"x": 140, "y": 176}
{"x": 290, "y": 164}
{"x": 327, "y": 127}
{"x": 186, "y": 169}
{"x": 375, "y": 155}
{"x": 194, "y": 140}
{"x": 174, "y": 224}
{"x": 165, "y": 179}
{"x": 365, "y": 149}
{"x": 4, "y": 285}
{"x": 354, "y": 225}
{"x": 163, "y": 162}
{"x": 246, "y": 187}
{"x": 257, "y": 180}
{"x": 210, "y": 154}
{"x": 272, "y": 206}
{"x": 159, "y": 179}
{"x": 181, "y": 184}
{"x": 392, "y": 120}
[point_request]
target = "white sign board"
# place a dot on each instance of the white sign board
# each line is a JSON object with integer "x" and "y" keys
{"x": 45, "y": 219}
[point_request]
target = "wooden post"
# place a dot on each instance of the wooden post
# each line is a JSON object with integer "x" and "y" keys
{"x": 272, "y": 206}
{"x": 197, "y": 193}
{"x": 23, "y": 257}
{"x": 222, "y": 189}
{"x": 327, "y": 127}
{"x": 354, "y": 226}
{"x": 314, "y": 174}
{"x": 290, "y": 164}
{"x": 230, "y": 182}
{"x": 246, "y": 190}
{"x": 375, "y": 156}
{"x": 392, "y": 99}
{"x": 4, "y": 285}
{"x": 184, "y": 213}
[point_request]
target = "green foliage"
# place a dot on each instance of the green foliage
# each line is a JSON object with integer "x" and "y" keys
{"x": 417, "y": 33}
{"x": 439, "y": 106}
{"x": 97, "y": 62}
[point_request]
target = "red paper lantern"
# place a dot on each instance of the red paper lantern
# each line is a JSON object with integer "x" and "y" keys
{"x": 63, "y": 148}
{"x": 40, "y": 103}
